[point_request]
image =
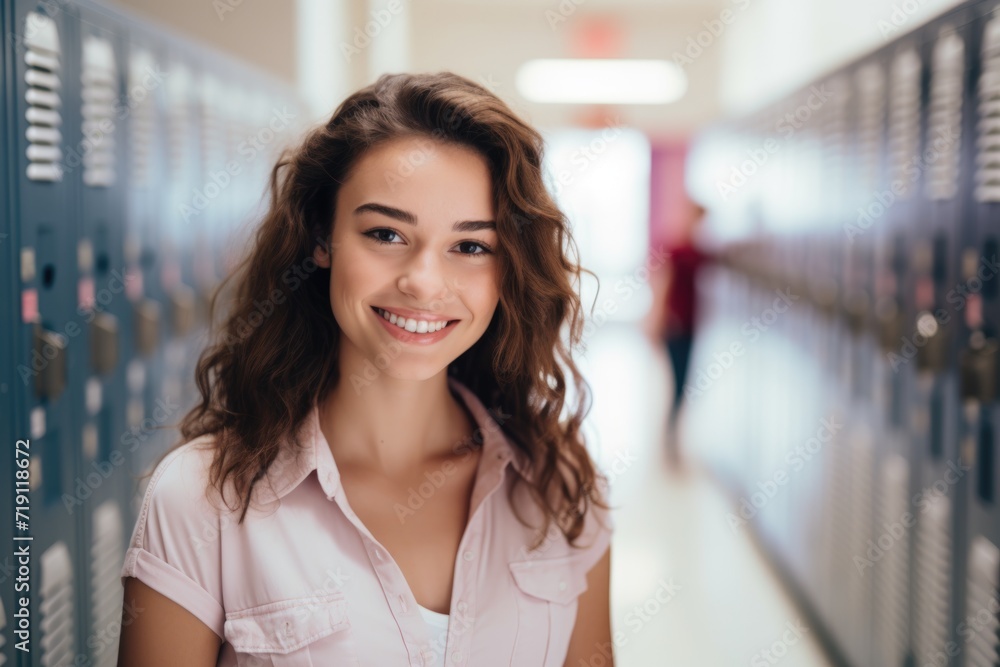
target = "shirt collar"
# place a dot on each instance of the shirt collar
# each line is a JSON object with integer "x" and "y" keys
{"x": 290, "y": 468}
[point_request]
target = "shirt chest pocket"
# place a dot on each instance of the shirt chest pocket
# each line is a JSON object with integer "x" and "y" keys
{"x": 301, "y": 632}
{"x": 546, "y": 591}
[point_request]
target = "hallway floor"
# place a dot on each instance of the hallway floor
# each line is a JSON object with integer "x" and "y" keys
{"x": 688, "y": 591}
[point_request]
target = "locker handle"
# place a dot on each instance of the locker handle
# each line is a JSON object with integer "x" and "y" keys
{"x": 147, "y": 326}
{"x": 50, "y": 347}
{"x": 104, "y": 343}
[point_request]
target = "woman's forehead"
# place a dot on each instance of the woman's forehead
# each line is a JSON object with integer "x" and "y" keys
{"x": 424, "y": 177}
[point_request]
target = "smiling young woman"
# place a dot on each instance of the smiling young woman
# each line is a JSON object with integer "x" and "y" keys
{"x": 381, "y": 470}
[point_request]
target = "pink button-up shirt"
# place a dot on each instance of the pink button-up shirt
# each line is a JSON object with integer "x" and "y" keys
{"x": 303, "y": 582}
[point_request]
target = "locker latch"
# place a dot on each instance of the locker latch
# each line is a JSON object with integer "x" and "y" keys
{"x": 182, "y": 310}
{"x": 50, "y": 348}
{"x": 147, "y": 326}
{"x": 104, "y": 343}
{"x": 978, "y": 368}
{"x": 890, "y": 323}
{"x": 933, "y": 354}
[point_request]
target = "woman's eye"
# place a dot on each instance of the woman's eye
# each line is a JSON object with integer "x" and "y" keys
{"x": 486, "y": 250}
{"x": 383, "y": 236}
{"x": 374, "y": 235}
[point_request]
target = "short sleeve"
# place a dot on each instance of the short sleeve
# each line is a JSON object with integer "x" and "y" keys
{"x": 176, "y": 543}
{"x": 598, "y": 525}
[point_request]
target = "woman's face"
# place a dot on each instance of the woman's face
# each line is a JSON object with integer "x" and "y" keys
{"x": 414, "y": 235}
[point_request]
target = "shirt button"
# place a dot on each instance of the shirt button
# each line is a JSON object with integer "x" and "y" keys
{"x": 562, "y": 585}
{"x": 462, "y": 606}
{"x": 468, "y": 555}
{"x": 456, "y": 656}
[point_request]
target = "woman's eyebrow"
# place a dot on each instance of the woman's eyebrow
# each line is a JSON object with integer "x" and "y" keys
{"x": 410, "y": 219}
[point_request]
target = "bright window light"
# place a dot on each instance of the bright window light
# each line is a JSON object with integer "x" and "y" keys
{"x": 611, "y": 81}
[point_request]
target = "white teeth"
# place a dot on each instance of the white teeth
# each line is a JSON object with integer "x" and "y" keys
{"x": 411, "y": 325}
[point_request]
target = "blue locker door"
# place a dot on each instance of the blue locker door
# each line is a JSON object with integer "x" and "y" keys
{"x": 13, "y": 426}
{"x": 49, "y": 347}
{"x": 104, "y": 312}
{"x": 978, "y": 628}
{"x": 145, "y": 202}
{"x": 897, "y": 307}
{"x": 940, "y": 498}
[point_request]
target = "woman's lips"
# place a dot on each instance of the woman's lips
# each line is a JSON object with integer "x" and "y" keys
{"x": 405, "y": 336}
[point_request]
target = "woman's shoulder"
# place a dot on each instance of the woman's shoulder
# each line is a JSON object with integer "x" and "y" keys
{"x": 176, "y": 542}
{"x": 179, "y": 495}
{"x": 184, "y": 465}
{"x": 589, "y": 545}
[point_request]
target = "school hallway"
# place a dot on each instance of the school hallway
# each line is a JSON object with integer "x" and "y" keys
{"x": 687, "y": 590}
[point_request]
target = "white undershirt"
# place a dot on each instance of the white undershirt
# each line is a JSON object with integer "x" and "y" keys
{"x": 437, "y": 633}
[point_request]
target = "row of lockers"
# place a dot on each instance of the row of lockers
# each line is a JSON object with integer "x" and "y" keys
{"x": 858, "y": 221}
{"x": 134, "y": 161}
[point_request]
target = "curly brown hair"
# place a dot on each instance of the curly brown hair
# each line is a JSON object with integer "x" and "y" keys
{"x": 514, "y": 366}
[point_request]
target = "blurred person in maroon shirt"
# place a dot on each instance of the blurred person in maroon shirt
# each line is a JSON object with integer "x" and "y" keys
{"x": 675, "y": 313}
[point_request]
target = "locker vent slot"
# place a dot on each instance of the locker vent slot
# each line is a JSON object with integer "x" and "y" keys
{"x": 106, "y": 558}
{"x": 861, "y": 466}
{"x": 99, "y": 79}
{"x": 990, "y": 249}
{"x": 840, "y": 489}
{"x": 944, "y": 123}
{"x": 179, "y": 124}
{"x": 988, "y": 123}
{"x": 984, "y": 463}
{"x": 933, "y": 577}
{"x": 834, "y": 122}
{"x": 141, "y": 119}
{"x": 42, "y": 72}
{"x": 871, "y": 116}
{"x": 892, "y": 577}
{"x": 213, "y": 130}
{"x": 3, "y": 633}
{"x": 983, "y": 593}
{"x": 58, "y": 631}
{"x": 904, "y": 119}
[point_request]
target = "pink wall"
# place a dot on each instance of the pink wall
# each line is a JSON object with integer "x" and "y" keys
{"x": 667, "y": 197}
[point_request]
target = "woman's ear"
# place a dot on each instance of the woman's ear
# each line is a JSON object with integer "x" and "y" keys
{"x": 322, "y": 255}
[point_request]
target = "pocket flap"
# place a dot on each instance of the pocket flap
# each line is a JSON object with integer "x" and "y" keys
{"x": 282, "y": 627}
{"x": 552, "y": 579}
